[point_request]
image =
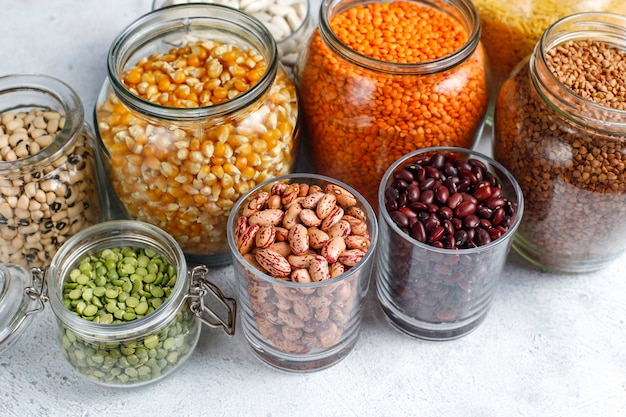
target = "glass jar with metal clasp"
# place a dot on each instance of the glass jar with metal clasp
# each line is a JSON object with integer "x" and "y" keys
{"x": 137, "y": 345}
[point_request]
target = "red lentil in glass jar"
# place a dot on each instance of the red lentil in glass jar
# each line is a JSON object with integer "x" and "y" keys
{"x": 379, "y": 80}
{"x": 559, "y": 129}
{"x": 196, "y": 111}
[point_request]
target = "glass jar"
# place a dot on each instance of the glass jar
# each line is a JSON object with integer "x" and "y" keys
{"x": 49, "y": 176}
{"x": 183, "y": 168}
{"x": 129, "y": 353}
{"x": 289, "y": 21}
{"x": 512, "y": 28}
{"x": 565, "y": 148}
{"x": 362, "y": 112}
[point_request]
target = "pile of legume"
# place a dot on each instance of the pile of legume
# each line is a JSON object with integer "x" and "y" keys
{"x": 573, "y": 177}
{"x": 359, "y": 120}
{"x": 118, "y": 285}
{"x": 185, "y": 177}
{"x": 302, "y": 233}
{"x": 512, "y": 28}
{"x": 43, "y": 204}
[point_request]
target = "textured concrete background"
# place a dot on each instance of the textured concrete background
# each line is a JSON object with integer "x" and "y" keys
{"x": 551, "y": 346}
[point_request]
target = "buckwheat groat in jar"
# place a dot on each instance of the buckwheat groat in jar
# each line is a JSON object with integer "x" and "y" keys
{"x": 379, "y": 80}
{"x": 560, "y": 130}
{"x": 196, "y": 111}
{"x": 48, "y": 169}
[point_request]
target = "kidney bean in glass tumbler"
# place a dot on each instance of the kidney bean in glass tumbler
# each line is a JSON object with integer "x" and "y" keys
{"x": 446, "y": 221}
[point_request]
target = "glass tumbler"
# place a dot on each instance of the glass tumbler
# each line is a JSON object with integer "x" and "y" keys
{"x": 295, "y": 325}
{"x": 442, "y": 293}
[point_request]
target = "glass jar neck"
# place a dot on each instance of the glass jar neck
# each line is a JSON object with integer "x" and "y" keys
{"x": 23, "y": 92}
{"x": 602, "y": 27}
{"x": 165, "y": 28}
{"x": 463, "y": 11}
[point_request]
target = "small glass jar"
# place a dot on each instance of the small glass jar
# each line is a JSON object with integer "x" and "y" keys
{"x": 289, "y": 21}
{"x": 361, "y": 113}
{"x": 310, "y": 318}
{"x": 49, "y": 176}
{"x": 512, "y": 28}
{"x": 130, "y": 353}
{"x": 183, "y": 168}
{"x": 437, "y": 275}
{"x": 566, "y": 151}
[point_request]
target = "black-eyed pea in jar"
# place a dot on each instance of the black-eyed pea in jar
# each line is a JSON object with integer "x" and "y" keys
{"x": 196, "y": 111}
{"x": 49, "y": 182}
{"x": 128, "y": 310}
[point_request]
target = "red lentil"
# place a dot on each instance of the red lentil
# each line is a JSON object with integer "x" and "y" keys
{"x": 359, "y": 120}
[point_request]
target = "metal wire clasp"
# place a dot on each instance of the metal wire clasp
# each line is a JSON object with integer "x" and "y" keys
{"x": 38, "y": 290}
{"x": 200, "y": 287}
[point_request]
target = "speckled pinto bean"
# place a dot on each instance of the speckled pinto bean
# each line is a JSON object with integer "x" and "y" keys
{"x": 292, "y": 319}
{"x": 185, "y": 178}
{"x": 449, "y": 203}
{"x": 573, "y": 177}
{"x": 43, "y": 204}
{"x": 359, "y": 120}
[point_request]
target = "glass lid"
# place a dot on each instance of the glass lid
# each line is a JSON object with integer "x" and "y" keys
{"x": 17, "y": 303}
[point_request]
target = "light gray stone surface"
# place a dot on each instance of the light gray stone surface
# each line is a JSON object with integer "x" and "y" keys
{"x": 551, "y": 345}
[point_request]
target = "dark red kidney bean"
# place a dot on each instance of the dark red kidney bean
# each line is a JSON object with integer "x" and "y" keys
{"x": 407, "y": 212}
{"x": 457, "y": 223}
{"x": 471, "y": 233}
{"x": 447, "y": 224}
{"x": 506, "y": 222}
{"x": 438, "y": 160}
{"x": 423, "y": 216}
{"x": 464, "y": 185}
{"x": 509, "y": 209}
{"x": 484, "y": 212}
{"x": 468, "y": 174}
{"x": 432, "y": 223}
{"x": 452, "y": 185}
{"x": 413, "y": 168}
{"x": 420, "y": 175}
{"x": 433, "y": 172}
{"x": 436, "y": 235}
{"x": 412, "y": 220}
{"x": 454, "y": 200}
{"x": 418, "y": 232}
{"x": 498, "y": 215}
{"x": 432, "y": 208}
{"x": 485, "y": 223}
{"x": 427, "y": 184}
{"x": 478, "y": 172}
{"x": 442, "y": 194}
{"x": 495, "y": 202}
{"x": 436, "y": 244}
{"x": 471, "y": 221}
{"x": 482, "y": 236}
{"x": 448, "y": 242}
{"x": 494, "y": 233}
{"x": 402, "y": 200}
{"x": 404, "y": 175}
{"x": 413, "y": 192}
{"x": 482, "y": 193}
{"x": 469, "y": 197}
{"x": 427, "y": 197}
{"x": 490, "y": 178}
{"x": 400, "y": 185}
{"x": 496, "y": 191}
{"x": 465, "y": 209}
{"x": 460, "y": 236}
{"x": 391, "y": 205}
{"x": 417, "y": 206}
{"x": 445, "y": 212}
{"x": 392, "y": 194}
{"x": 450, "y": 170}
{"x": 478, "y": 163}
{"x": 399, "y": 219}
{"x": 463, "y": 165}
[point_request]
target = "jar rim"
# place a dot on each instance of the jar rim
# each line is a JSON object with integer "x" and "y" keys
{"x": 466, "y": 9}
{"x": 604, "y": 26}
{"x": 116, "y": 233}
{"x": 184, "y": 19}
{"x": 40, "y": 87}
